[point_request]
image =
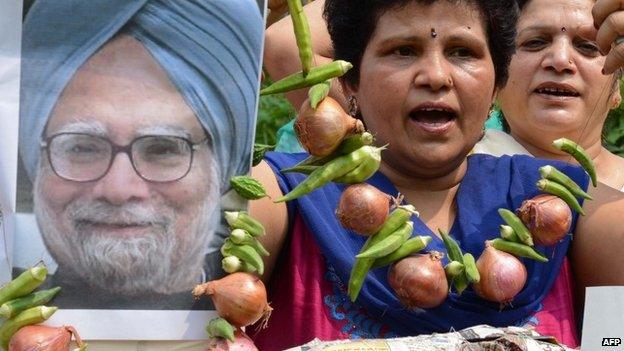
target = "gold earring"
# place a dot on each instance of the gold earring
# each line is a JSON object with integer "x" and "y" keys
{"x": 353, "y": 106}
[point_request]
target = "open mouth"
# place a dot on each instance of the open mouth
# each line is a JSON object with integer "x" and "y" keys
{"x": 433, "y": 119}
{"x": 559, "y": 91}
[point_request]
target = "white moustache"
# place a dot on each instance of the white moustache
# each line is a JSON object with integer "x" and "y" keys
{"x": 132, "y": 214}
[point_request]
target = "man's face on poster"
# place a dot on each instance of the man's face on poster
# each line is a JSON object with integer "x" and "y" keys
{"x": 137, "y": 221}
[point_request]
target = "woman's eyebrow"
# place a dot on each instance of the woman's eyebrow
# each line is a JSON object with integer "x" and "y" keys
{"x": 535, "y": 28}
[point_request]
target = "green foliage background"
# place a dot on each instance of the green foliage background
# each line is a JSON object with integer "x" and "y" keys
{"x": 275, "y": 111}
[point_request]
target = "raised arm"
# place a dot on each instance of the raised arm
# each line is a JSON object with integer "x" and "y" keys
{"x": 274, "y": 217}
{"x": 281, "y": 56}
{"x": 597, "y": 252}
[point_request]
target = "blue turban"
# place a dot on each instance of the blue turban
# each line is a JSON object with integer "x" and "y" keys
{"x": 210, "y": 50}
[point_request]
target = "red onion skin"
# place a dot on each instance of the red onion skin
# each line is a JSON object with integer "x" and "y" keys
{"x": 502, "y": 275}
{"x": 419, "y": 281}
{"x": 241, "y": 343}
{"x": 320, "y": 131}
{"x": 547, "y": 217}
{"x": 363, "y": 208}
{"x": 40, "y": 338}
{"x": 239, "y": 297}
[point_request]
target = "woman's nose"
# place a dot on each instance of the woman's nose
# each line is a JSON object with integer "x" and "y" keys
{"x": 121, "y": 183}
{"x": 433, "y": 72}
{"x": 559, "y": 57}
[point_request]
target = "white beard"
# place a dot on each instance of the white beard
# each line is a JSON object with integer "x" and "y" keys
{"x": 160, "y": 261}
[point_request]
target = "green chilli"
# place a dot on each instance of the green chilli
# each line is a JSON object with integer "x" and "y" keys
{"x": 361, "y": 173}
{"x": 411, "y": 246}
{"x": 507, "y": 233}
{"x": 453, "y": 269}
{"x": 258, "y": 152}
{"x": 34, "y": 315}
{"x": 244, "y": 252}
{"x": 472, "y": 273}
{"x": 360, "y": 269}
{"x": 452, "y": 248}
{"x": 220, "y": 328}
{"x": 579, "y": 154}
{"x": 248, "y": 187}
{"x": 332, "y": 170}
{"x": 518, "y": 249}
{"x": 241, "y": 237}
{"x": 319, "y": 92}
{"x": 242, "y": 220}
{"x": 11, "y": 308}
{"x": 302, "y": 34}
{"x": 389, "y": 244}
{"x": 560, "y": 191}
{"x": 519, "y": 228}
{"x": 316, "y": 75}
{"x": 552, "y": 173}
{"x": 23, "y": 284}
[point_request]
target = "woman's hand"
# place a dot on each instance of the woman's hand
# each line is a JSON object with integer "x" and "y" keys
{"x": 609, "y": 20}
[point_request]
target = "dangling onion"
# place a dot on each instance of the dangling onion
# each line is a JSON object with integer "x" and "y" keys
{"x": 547, "y": 217}
{"x": 320, "y": 131}
{"x": 419, "y": 281}
{"x": 239, "y": 297}
{"x": 363, "y": 208}
{"x": 43, "y": 338}
{"x": 502, "y": 275}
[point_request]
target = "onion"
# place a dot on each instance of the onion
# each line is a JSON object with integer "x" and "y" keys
{"x": 241, "y": 343}
{"x": 43, "y": 338}
{"x": 419, "y": 281}
{"x": 502, "y": 275}
{"x": 547, "y": 217}
{"x": 363, "y": 208}
{"x": 239, "y": 297}
{"x": 320, "y": 131}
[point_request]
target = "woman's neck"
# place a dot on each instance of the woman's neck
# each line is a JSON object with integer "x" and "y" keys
{"x": 608, "y": 166}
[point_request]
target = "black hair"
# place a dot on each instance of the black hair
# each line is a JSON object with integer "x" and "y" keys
{"x": 351, "y": 24}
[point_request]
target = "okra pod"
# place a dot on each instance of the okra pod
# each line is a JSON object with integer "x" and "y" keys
{"x": 518, "y": 249}
{"x": 305, "y": 169}
{"x": 347, "y": 146}
{"x": 334, "y": 169}
{"x": 461, "y": 283}
{"x": 507, "y": 233}
{"x": 389, "y": 244}
{"x": 244, "y": 252}
{"x": 519, "y": 228}
{"x": 242, "y": 220}
{"x": 472, "y": 273}
{"x": 452, "y": 248}
{"x": 34, "y": 315}
{"x": 361, "y": 173}
{"x": 11, "y": 308}
{"x": 551, "y": 173}
{"x": 231, "y": 264}
{"x": 302, "y": 34}
{"x": 241, "y": 237}
{"x": 579, "y": 154}
{"x": 360, "y": 269}
{"x": 316, "y": 75}
{"x": 562, "y": 192}
{"x": 24, "y": 284}
{"x": 453, "y": 269}
{"x": 319, "y": 92}
{"x": 411, "y": 246}
{"x": 220, "y": 328}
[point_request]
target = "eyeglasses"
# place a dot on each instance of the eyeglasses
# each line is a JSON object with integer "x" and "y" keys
{"x": 81, "y": 157}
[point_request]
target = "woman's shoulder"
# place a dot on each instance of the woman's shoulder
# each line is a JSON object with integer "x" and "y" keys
{"x": 498, "y": 143}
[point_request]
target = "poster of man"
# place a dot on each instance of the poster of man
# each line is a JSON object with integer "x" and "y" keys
{"x": 133, "y": 117}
